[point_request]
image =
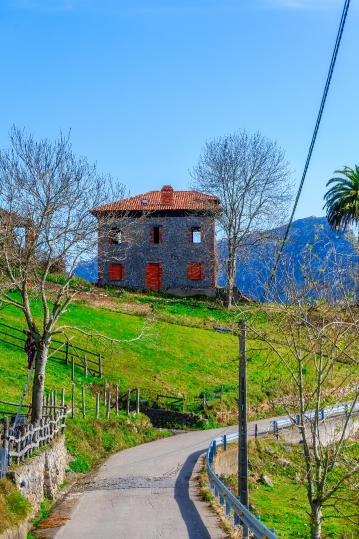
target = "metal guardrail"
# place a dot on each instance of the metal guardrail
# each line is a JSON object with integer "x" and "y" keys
{"x": 242, "y": 515}
{"x": 324, "y": 413}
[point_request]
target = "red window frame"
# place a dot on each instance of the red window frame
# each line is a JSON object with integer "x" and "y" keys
{"x": 195, "y": 271}
{"x": 152, "y": 234}
{"x": 116, "y": 272}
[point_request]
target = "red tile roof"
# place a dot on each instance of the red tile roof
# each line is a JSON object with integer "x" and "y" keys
{"x": 160, "y": 200}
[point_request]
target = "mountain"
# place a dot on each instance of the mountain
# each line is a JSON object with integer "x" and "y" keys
{"x": 87, "y": 269}
{"x": 254, "y": 268}
{"x": 313, "y": 235}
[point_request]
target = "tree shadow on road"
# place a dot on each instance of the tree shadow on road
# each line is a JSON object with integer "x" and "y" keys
{"x": 191, "y": 517}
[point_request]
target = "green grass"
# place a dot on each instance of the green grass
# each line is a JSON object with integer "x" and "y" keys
{"x": 179, "y": 356}
{"x": 14, "y": 508}
{"x": 285, "y": 506}
{"x": 171, "y": 358}
{"x": 89, "y": 441}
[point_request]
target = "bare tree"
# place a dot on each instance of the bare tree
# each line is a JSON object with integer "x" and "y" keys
{"x": 45, "y": 224}
{"x": 311, "y": 328}
{"x": 251, "y": 177}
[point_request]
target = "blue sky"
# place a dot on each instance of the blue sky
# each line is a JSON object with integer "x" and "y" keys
{"x": 144, "y": 83}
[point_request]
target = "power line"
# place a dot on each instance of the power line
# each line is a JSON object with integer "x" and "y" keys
{"x": 326, "y": 89}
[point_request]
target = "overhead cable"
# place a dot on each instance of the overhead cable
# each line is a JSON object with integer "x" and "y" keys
{"x": 326, "y": 89}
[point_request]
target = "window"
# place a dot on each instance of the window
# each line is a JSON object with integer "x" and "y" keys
{"x": 115, "y": 236}
{"x": 195, "y": 271}
{"x": 156, "y": 234}
{"x": 116, "y": 272}
{"x": 195, "y": 234}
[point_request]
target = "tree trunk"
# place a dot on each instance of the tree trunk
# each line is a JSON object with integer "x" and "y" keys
{"x": 231, "y": 274}
{"x": 316, "y": 521}
{"x": 39, "y": 380}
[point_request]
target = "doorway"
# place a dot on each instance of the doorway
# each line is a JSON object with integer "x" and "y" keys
{"x": 154, "y": 276}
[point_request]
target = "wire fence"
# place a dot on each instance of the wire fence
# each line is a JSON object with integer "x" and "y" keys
{"x": 64, "y": 351}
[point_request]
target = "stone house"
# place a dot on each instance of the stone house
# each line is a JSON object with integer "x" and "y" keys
{"x": 160, "y": 240}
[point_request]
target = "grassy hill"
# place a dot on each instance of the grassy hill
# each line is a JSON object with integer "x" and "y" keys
{"x": 179, "y": 354}
{"x": 284, "y": 505}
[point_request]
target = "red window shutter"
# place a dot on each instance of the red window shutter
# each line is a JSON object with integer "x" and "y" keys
{"x": 190, "y": 235}
{"x": 152, "y": 235}
{"x": 160, "y": 234}
{"x": 116, "y": 272}
{"x": 195, "y": 271}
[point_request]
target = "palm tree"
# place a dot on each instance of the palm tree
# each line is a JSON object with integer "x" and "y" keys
{"x": 342, "y": 200}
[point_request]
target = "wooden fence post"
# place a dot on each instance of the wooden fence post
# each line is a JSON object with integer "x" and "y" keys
{"x": 85, "y": 366}
{"x": 97, "y": 405}
{"x": 116, "y": 400}
{"x": 100, "y": 365}
{"x": 73, "y": 367}
{"x": 29, "y": 438}
{"x": 18, "y": 447}
{"x": 6, "y": 441}
{"x": 138, "y": 400}
{"x": 83, "y": 402}
{"x": 73, "y": 400}
{"x": 63, "y": 397}
{"x": 41, "y": 432}
{"x": 128, "y": 401}
{"x": 105, "y": 393}
{"x": 108, "y": 405}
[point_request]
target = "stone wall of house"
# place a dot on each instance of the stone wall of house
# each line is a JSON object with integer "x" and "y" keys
{"x": 42, "y": 474}
{"x": 174, "y": 252}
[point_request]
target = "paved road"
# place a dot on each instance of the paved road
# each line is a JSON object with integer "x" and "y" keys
{"x": 148, "y": 492}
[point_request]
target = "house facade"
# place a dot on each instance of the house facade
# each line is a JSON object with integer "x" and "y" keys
{"x": 160, "y": 240}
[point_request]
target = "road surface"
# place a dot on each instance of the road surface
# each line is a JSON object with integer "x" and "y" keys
{"x": 146, "y": 492}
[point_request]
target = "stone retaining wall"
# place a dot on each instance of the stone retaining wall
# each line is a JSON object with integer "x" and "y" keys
{"x": 17, "y": 533}
{"x": 170, "y": 418}
{"x": 226, "y": 462}
{"x": 41, "y": 475}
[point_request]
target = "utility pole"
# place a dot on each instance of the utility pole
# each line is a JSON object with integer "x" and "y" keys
{"x": 242, "y": 424}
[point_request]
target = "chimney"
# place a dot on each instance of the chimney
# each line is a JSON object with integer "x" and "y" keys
{"x": 167, "y": 195}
